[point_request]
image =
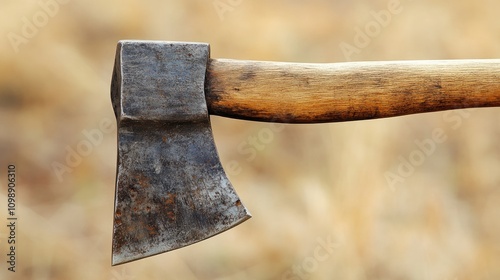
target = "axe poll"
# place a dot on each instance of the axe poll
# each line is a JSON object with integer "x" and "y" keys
{"x": 171, "y": 189}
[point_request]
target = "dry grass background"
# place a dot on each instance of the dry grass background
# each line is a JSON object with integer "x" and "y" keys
{"x": 308, "y": 185}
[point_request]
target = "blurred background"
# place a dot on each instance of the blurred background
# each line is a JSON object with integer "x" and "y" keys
{"x": 359, "y": 200}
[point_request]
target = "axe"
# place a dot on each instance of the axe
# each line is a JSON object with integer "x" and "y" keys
{"x": 171, "y": 189}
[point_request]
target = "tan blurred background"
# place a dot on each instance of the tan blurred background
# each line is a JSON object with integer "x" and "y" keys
{"x": 321, "y": 202}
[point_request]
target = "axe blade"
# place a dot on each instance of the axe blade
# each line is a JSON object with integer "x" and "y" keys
{"x": 171, "y": 189}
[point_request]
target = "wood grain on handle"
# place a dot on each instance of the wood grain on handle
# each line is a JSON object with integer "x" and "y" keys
{"x": 314, "y": 93}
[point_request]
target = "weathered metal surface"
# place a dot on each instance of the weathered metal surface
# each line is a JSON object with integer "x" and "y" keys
{"x": 171, "y": 190}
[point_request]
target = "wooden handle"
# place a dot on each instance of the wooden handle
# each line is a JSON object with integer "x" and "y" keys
{"x": 314, "y": 93}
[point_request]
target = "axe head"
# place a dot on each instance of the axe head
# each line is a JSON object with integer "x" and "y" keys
{"x": 171, "y": 190}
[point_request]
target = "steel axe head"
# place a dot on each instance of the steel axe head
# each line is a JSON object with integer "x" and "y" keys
{"x": 171, "y": 190}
